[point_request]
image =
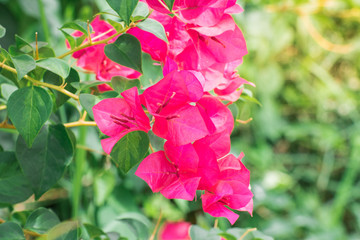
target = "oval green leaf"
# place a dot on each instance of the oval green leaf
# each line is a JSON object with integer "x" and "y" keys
{"x": 130, "y": 150}
{"x": 120, "y": 84}
{"x": 29, "y": 108}
{"x": 44, "y": 163}
{"x": 41, "y": 220}
{"x": 2, "y": 31}
{"x": 14, "y": 187}
{"x": 124, "y": 8}
{"x": 54, "y": 79}
{"x": 57, "y": 66}
{"x": 11, "y": 231}
{"x": 23, "y": 65}
{"x": 126, "y": 50}
{"x": 154, "y": 27}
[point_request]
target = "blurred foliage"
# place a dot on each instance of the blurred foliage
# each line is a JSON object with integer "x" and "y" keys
{"x": 302, "y": 147}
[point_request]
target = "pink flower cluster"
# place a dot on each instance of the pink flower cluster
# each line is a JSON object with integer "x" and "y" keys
{"x": 205, "y": 46}
{"x": 202, "y": 37}
{"x": 93, "y": 58}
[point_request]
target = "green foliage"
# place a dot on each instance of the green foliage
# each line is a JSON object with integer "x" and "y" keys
{"x": 34, "y": 103}
{"x": 130, "y": 150}
{"x": 120, "y": 84}
{"x": 23, "y": 65}
{"x": 126, "y": 50}
{"x": 11, "y": 231}
{"x": 14, "y": 187}
{"x": 44, "y": 162}
{"x": 154, "y": 27}
{"x": 124, "y": 8}
{"x": 57, "y": 66}
{"x": 41, "y": 220}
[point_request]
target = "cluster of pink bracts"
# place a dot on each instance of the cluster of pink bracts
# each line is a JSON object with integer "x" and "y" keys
{"x": 205, "y": 46}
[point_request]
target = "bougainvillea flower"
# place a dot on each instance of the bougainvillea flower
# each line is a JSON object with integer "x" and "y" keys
{"x": 186, "y": 125}
{"x": 116, "y": 117}
{"x": 231, "y": 168}
{"x": 175, "y": 231}
{"x": 220, "y": 143}
{"x": 175, "y": 90}
{"x": 201, "y": 12}
{"x": 233, "y": 194}
{"x": 220, "y": 116}
{"x": 93, "y": 58}
{"x": 174, "y": 177}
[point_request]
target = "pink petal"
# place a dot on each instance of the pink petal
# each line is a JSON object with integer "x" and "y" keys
{"x": 217, "y": 209}
{"x": 218, "y": 142}
{"x": 185, "y": 126}
{"x": 157, "y": 171}
{"x": 181, "y": 189}
{"x": 175, "y": 231}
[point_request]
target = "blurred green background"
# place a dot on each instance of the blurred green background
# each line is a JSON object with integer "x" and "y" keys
{"x": 303, "y": 146}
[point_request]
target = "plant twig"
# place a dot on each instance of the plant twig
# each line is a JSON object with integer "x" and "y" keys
{"x": 152, "y": 237}
{"x": 44, "y": 84}
{"x": 89, "y": 44}
{"x": 247, "y": 232}
{"x": 80, "y": 123}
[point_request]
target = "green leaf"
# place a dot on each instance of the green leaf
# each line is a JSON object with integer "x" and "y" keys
{"x": 41, "y": 220}
{"x": 2, "y": 31}
{"x": 70, "y": 39}
{"x": 250, "y": 235}
{"x": 141, "y": 11}
{"x": 197, "y": 233}
{"x": 11, "y": 231}
{"x": 7, "y": 90}
{"x": 130, "y": 150}
{"x": 118, "y": 26}
{"x": 120, "y": 84}
{"x": 22, "y": 44}
{"x": 6, "y": 80}
{"x": 64, "y": 231}
{"x": 14, "y": 187}
{"x": 93, "y": 232}
{"x": 87, "y": 101}
{"x": 54, "y": 79}
{"x": 227, "y": 236}
{"x": 44, "y": 163}
{"x": 55, "y": 65}
{"x": 46, "y": 52}
{"x": 154, "y": 27}
{"x": 124, "y": 8}
{"x": 29, "y": 108}
{"x": 138, "y": 223}
{"x": 87, "y": 84}
{"x": 126, "y": 50}
{"x": 23, "y": 65}
{"x": 77, "y": 25}
{"x": 169, "y": 4}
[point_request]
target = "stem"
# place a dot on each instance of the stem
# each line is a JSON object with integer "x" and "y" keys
{"x": 156, "y": 227}
{"x": 216, "y": 223}
{"x": 80, "y": 123}
{"x": 44, "y": 21}
{"x": 79, "y": 167}
{"x": 151, "y": 148}
{"x": 44, "y": 84}
{"x": 247, "y": 232}
{"x": 244, "y": 121}
{"x": 89, "y": 44}
{"x": 36, "y": 47}
{"x": 2, "y": 107}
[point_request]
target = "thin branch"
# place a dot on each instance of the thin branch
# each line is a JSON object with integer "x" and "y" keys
{"x": 80, "y": 123}
{"x": 244, "y": 121}
{"x": 152, "y": 237}
{"x": 247, "y": 232}
{"x": 44, "y": 84}
{"x": 89, "y": 44}
{"x": 2, "y": 107}
{"x": 323, "y": 42}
